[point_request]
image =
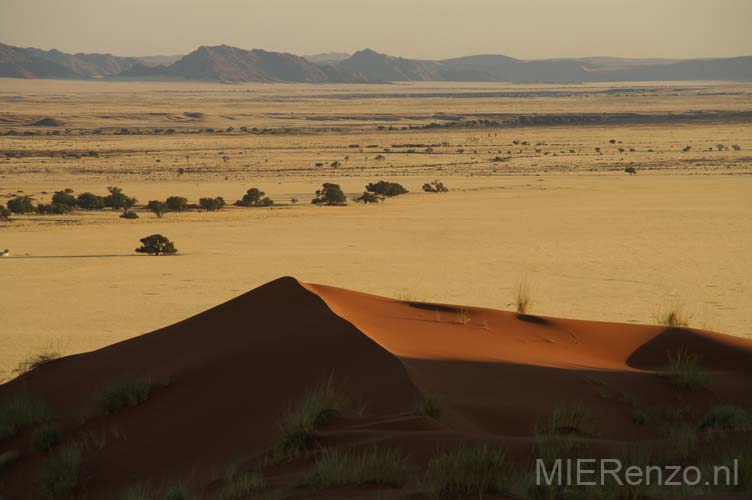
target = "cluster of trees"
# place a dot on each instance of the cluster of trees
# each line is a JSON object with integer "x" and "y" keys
{"x": 377, "y": 191}
{"x": 180, "y": 204}
{"x": 64, "y": 201}
{"x": 254, "y": 197}
{"x": 435, "y": 187}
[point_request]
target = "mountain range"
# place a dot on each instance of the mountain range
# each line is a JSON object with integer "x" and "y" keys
{"x": 224, "y": 63}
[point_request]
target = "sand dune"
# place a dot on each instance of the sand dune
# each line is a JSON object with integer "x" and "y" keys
{"x": 222, "y": 380}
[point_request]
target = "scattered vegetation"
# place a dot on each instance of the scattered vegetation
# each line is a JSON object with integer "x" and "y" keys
{"x": 212, "y": 204}
{"x": 684, "y": 370}
{"x": 45, "y": 437}
{"x": 20, "y": 412}
{"x": 466, "y": 471}
{"x": 237, "y": 485}
{"x": 315, "y": 408}
{"x": 359, "y": 468}
{"x": 60, "y": 474}
{"x": 429, "y": 405}
{"x": 385, "y": 188}
{"x": 522, "y": 295}
{"x": 330, "y": 194}
{"x": 435, "y": 187}
{"x": 727, "y": 418}
{"x": 156, "y": 244}
{"x": 122, "y": 394}
{"x": 254, "y": 197}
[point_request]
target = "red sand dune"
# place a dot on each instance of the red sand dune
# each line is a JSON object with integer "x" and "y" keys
{"x": 224, "y": 377}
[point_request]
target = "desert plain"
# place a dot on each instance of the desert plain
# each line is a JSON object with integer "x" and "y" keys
{"x": 536, "y": 204}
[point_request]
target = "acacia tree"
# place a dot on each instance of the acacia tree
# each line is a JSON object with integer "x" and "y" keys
{"x": 21, "y": 205}
{"x": 330, "y": 194}
{"x": 212, "y": 204}
{"x": 158, "y": 207}
{"x": 156, "y": 244}
{"x": 64, "y": 197}
{"x": 90, "y": 201}
{"x": 118, "y": 200}
{"x": 254, "y": 197}
{"x": 386, "y": 188}
{"x": 176, "y": 203}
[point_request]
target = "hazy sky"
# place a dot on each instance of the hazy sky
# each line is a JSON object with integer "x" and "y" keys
{"x": 410, "y": 28}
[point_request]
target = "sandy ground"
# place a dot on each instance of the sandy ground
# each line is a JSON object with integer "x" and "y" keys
{"x": 594, "y": 242}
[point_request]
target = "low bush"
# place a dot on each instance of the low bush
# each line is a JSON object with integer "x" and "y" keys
{"x": 122, "y": 394}
{"x": 129, "y": 215}
{"x": 435, "y": 187}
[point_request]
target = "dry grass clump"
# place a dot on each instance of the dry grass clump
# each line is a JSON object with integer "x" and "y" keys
{"x": 463, "y": 316}
{"x": 316, "y": 408}
{"x": 375, "y": 467}
{"x": 684, "y": 370}
{"x": 20, "y": 412}
{"x": 672, "y": 315}
{"x": 49, "y": 353}
{"x": 522, "y": 294}
{"x": 466, "y": 471}
{"x": 122, "y": 394}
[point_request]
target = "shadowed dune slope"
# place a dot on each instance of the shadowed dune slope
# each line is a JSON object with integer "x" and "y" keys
{"x": 222, "y": 380}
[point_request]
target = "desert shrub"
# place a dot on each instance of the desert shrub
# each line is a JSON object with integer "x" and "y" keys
{"x": 59, "y": 476}
{"x": 359, "y": 468}
{"x": 317, "y": 406}
{"x": 630, "y": 170}
{"x": 29, "y": 363}
{"x": 522, "y": 294}
{"x": 684, "y": 371}
{"x": 118, "y": 200}
{"x": 176, "y": 203}
{"x": 429, "y": 405}
{"x": 157, "y": 244}
{"x": 727, "y": 418}
{"x": 254, "y": 197}
{"x": 53, "y": 208}
{"x": 237, "y": 485}
{"x": 330, "y": 194}
{"x": 129, "y": 215}
{"x": 466, "y": 471}
{"x": 158, "y": 207}
{"x": 90, "y": 201}
{"x": 385, "y": 188}
{"x": 435, "y": 187}
{"x": 45, "y": 437}
{"x": 122, "y": 394}
{"x": 367, "y": 197}
{"x": 64, "y": 197}
{"x": 212, "y": 204}
{"x": 21, "y": 205}
{"x": 7, "y": 458}
{"x": 672, "y": 315}
{"x": 20, "y": 412}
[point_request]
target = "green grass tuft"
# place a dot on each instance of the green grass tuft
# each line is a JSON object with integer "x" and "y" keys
{"x": 359, "y": 468}
{"x": 466, "y": 471}
{"x": 727, "y": 418}
{"x": 429, "y": 405}
{"x": 20, "y": 412}
{"x": 684, "y": 370}
{"x": 123, "y": 394}
{"x": 59, "y": 476}
{"x": 45, "y": 437}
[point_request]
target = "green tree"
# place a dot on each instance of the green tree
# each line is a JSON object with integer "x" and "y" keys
{"x": 156, "y": 244}
{"x": 386, "y": 188}
{"x": 89, "y": 201}
{"x": 118, "y": 200}
{"x": 212, "y": 204}
{"x": 177, "y": 203}
{"x": 158, "y": 207}
{"x": 330, "y": 194}
{"x": 64, "y": 197}
{"x": 21, "y": 205}
{"x": 254, "y": 197}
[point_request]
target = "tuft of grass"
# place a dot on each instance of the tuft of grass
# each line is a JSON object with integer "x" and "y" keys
{"x": 364, "y": 468}
{"x": 673, "y": 316}
{"x": 45, "y": 437}
{"x": 466, "y": 471}
{"x": 727, "y": 418}
{"x": 429, "y": 405}
{"x": 559, "y": 435}
{"x": 316, "y": 408}
{"x": 684, "y": 370}
{"x": 7, "y": 458}
{"x": 178, "y": 492}
{"x": 50, "y": 353}
{"x": 21, "y": 412}
{"x": 522, "y": 294}
{"x": 59, "y": 476}
{"x": 237, "y": 485}
{"x": 463, "y": 316}
{"x": 122, "y": 394}
{"x": 682, "y": 441}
